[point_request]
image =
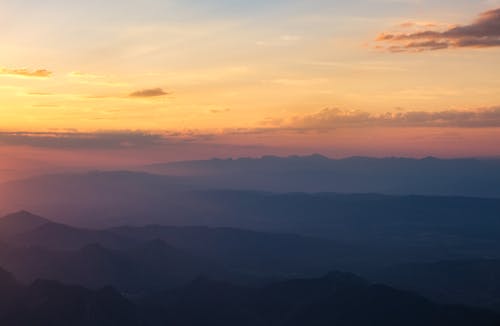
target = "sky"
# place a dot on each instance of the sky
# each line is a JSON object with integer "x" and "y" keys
{"x": 139, "y": 81}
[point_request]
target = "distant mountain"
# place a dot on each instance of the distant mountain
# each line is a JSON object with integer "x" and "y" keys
{"x": 170, "y": 255}
{"x": 20, "y": 222}
{"x": 113, "y": 197}
{"x": 152, "y": 265}
{"x": 471, "y": 282}
{"x": 255, "y": 253}
{"x": 64, "y": 237}
{"x": 336, "y": 299}
{"x": 88, "y": 198}
{"x": 415, "y": 228}
{"x": 316, "y": 173}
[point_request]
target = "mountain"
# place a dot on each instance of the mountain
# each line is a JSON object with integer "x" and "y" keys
{"x": 410, "y": 228}
{"x": 52, "y": 303}
{"x": 336, "y": 299}
{"x": 20, "y": 222}
{"x": 471, "y": 282}
{"x": 9, "y": 288}
{"x": 316, "y": 173}
{"x": 255, "y": 253}
{"x": 406, "y": 228}
{"x": 26, "y": 229}
{"x": 151, "y": 265}
{"x": 83, "y": 198}
{"x": 111, "y": 256}
{"x": 95, "y": 258}
{"x": 114, "y": 197}
{"x": 64, "y": 237}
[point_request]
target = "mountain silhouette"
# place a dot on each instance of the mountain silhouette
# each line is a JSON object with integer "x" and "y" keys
{"x": 146, "y": 258}
{"x": 20, "y": 222}
{"x": 336, "y": 299}
{"x": 51, "y": 303}
{"x": 316, "y": 173}
{"x": 473, "y": 282}
{"x": 410, "y": 228}
{"x": 135, "y": 270}
{"x": 61, "y": 236}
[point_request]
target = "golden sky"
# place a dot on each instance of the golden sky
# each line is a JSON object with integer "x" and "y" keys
{"x": 268, "y": 74}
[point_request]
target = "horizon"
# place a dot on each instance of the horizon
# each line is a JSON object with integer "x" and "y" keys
{"x": 178, "y": 80}
{"x": 15, "y": 172}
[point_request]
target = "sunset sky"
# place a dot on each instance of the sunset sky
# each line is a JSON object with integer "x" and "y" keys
{"x": 189, "y": 79}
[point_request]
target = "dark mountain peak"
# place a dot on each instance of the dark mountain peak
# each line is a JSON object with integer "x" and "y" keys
{"x": 6, "y": 279}
{"x": 25, "y": 217}
{"x": 20, "y": 222}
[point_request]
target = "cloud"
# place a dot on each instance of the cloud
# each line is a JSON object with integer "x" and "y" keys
{"x": 102, "y": 140}
{"x": 79, "y": 140}
{"x": 337, "y": 118}
{"x": 323, "y": 121}
{"x": 152, "y": 92}
{"x": 41, "y": 73}
{"x": 484, "y": 32}
{"x": 216, "y": 111}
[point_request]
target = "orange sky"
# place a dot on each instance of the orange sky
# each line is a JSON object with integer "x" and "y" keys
{"x": 408, "y": 78}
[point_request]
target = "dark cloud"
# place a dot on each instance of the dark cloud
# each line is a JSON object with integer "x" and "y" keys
{"x": 41, "y": 73}
{"x": 483, "y": 32}
{"x": 336, "y": 118}
{"x": 153, "y": 92}
{"x": 76, "y": 140}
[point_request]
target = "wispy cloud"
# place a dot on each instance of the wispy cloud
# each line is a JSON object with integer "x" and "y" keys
{"x": 152, "y": 92}
{"x": 217, "y": 111}
{"x": 322, "y": 121}
{"x": 336, "y": 118}
{"x": 482, "y": 33}
{"x": 40, "y": 73}
{"x": 413, "y": 24}
{"x": 80, "y": 140}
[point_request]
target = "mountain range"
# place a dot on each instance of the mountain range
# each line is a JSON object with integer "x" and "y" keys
{"x": 317, "y": 173}
{"x": 335, "y": 299}
{"x": 410, "y": 227}
{"x": 138, "y": 261}
{"x": 249, "y": 242}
